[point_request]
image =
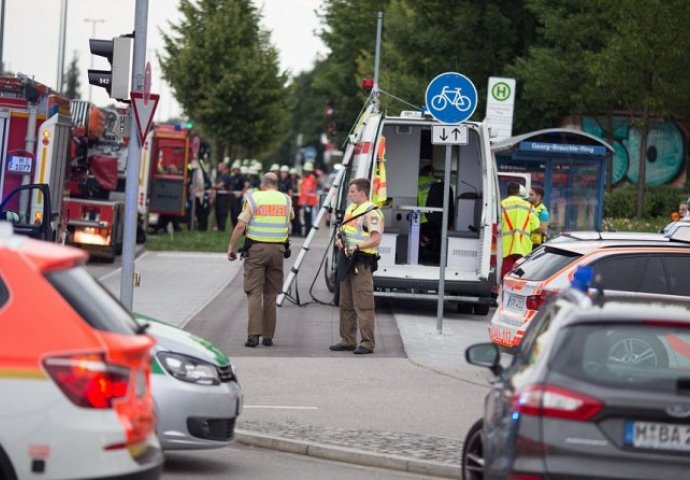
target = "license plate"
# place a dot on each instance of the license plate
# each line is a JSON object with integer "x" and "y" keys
{"x": 501, "y": 335}
{"x": 516, "y": 302}
{"x": 658, "y": 436}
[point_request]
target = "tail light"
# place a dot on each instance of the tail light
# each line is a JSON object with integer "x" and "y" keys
{"x": 549, "y": 401}
{"x": 88, "y": 380}
{"x": 494, "y": 238}
{"x": 535, "y": 302}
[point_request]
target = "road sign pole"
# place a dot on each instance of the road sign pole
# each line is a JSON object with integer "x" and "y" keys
{"x": 444, "y": 242}
{"x": 133, "y": 160}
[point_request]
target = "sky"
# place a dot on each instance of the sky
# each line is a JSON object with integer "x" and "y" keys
{"x": 32, "y": 37}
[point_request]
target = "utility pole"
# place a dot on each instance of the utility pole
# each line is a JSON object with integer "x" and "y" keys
{"x": 93, "y": 22}
{"x": 133, "y": 159}
{"x": 2, "y": 33}
{"x": 61, "y": 44}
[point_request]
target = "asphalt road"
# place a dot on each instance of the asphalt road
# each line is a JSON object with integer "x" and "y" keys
{"x": 247, "y": 463}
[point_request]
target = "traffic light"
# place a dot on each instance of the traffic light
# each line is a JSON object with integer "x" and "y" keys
{"x": 116, "y": 80}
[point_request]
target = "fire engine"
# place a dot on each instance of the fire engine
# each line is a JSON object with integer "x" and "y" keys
{"x": 166, "y": 155}
{"x": 35, "y": 132}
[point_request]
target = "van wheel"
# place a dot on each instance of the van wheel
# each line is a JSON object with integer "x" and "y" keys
{"x": 473, "y": 453}
{"x": 481, "y": 309}
{"x": 637, "y": 349}
{"x": 329, "y": 275}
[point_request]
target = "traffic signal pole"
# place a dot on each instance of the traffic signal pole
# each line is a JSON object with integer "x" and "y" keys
{"x": 133, "y": 159}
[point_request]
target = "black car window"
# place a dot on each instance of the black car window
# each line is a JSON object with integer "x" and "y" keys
{"x": 638, "y": 356}
{"x": 678, "y": 272}
{"x": 621, "y": 272}
{"x": 91, "y": 301}
{"x": 544, "y": 263}
{"x": 654, "y": 280}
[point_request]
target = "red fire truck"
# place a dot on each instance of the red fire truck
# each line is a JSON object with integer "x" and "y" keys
{"x": 166, "y": 155}
{"x": 94, "y": 211}
{"x": 35, "y": 133}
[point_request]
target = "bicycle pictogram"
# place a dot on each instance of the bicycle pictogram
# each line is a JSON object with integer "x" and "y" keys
{"x": 452, "y": 96}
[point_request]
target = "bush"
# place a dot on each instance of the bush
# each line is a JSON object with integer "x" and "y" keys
{"x": 661, "y": 200}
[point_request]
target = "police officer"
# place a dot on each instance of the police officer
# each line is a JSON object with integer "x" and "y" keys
{"x": 359, "y": 239}
{"x": 518, "y": 221}
{"x": 536, "y": 198}
{"x": 264, "y": 219}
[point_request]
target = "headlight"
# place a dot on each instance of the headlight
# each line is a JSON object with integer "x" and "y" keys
{"x": 189, "y": 369}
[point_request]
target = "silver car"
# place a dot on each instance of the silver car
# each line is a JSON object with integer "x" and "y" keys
{"x": 195, "y": 389}
{"x": 598, "y": 389}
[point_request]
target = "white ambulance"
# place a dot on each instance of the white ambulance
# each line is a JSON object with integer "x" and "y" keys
{"x": 409, "y": 266}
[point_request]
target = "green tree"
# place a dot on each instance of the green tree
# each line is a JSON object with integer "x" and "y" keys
{"x": 226, "y": 76}
{"x": 349, "y": 31}
{"x": 424, "y": 39}
{"x": 72, "y": 85}
{"x": 644, "y": 66}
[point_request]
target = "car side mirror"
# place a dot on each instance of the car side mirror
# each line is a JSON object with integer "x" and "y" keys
{"x": 484, "y": 355}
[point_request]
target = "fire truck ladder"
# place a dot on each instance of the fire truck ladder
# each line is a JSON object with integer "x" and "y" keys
{"x": 370, "y": 106}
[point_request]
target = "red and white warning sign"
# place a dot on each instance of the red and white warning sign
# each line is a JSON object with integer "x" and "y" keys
{"x": 144, "y": 110}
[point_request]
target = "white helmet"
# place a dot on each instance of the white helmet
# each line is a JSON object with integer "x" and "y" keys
{"x": 308, "y": 167}
{"x": 253, "y": 170}
{"x": 237, "y": 163}
{"x": 244, "y": 170}
{"x": 285, "y": 169}
{"x": 275, "y": 167}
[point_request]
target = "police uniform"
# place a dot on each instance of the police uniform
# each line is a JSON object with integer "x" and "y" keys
{"x": 267, "y": 214}
{"x": 357, "y": 289}
{"x": 518, "y": 222}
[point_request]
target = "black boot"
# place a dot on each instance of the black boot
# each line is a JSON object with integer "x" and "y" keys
{"x": 252, "y": 341}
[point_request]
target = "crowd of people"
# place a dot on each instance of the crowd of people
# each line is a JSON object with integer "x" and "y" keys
{"x": 224, "y": 193}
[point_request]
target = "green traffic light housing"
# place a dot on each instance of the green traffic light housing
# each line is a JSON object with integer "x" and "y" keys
{"x": 189, "y": 124}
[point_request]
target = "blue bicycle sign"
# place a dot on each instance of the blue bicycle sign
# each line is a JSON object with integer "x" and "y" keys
{"x": 451, "y": 98}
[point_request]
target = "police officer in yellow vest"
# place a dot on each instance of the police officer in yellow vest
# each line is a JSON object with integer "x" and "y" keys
{"x": 517, "y": 223}
{"x": 359, "y": 237}
{"x": 536, "y": 198}
{"x": 265, "y": 217}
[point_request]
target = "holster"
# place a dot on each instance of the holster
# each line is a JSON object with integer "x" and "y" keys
{"x": 287, "y": 252}
{"x": 372, "y": 261}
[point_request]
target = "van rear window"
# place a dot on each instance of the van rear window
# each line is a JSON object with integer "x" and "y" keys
{"x": 541, "y": 264}
{"x": 92, "y": 301}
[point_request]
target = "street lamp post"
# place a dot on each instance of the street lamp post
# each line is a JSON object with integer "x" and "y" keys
{"x": 93, "y": 22}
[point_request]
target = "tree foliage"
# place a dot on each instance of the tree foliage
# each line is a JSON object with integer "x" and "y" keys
{"x": 72, "y": 85}
{"x": 226, "y": 76}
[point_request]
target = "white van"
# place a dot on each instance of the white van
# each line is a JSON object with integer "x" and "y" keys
{"x": 411, "y": 245}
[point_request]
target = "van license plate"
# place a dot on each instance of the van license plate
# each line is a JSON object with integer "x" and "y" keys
{"x": 516, "y": 302}
{"x": 658, "y": 436}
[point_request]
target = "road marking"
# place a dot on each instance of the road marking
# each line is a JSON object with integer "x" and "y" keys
{"x": 280, "y": 407}
{"x": 117, "y": 271}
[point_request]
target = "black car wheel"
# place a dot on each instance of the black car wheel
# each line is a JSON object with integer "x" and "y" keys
{"x": 473, "y": 453}
{"x": 329, "y": 274}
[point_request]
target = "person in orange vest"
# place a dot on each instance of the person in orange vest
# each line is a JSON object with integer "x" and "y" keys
{"x": 518, "y": 221}
{"x": 308, "y": 197}
{"x": 264, "y": 220}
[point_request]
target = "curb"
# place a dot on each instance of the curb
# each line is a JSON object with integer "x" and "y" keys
{"x": 348, "y": 455}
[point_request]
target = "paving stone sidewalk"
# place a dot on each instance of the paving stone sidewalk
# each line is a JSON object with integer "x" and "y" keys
{"x": 425, "y": 448}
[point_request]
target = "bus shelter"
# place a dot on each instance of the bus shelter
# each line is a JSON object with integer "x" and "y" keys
{"x": 569, "y": 164}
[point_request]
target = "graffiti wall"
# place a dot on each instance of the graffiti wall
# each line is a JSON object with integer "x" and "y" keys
{"x": 667, "y": 149}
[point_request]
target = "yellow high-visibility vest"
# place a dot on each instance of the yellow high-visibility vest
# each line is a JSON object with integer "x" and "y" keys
{"x": 518, "y": 221}
{"x": 270, "y": 216}
{"x": 537, "y": 237}
{"x": 354, "y": 230}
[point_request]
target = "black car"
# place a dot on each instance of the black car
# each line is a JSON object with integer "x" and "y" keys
{"x": 599, "y": 388}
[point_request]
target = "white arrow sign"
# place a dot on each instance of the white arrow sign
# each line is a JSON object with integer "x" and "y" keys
{"x": 143, "y": 112}
{"x": 449, "y": 134}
